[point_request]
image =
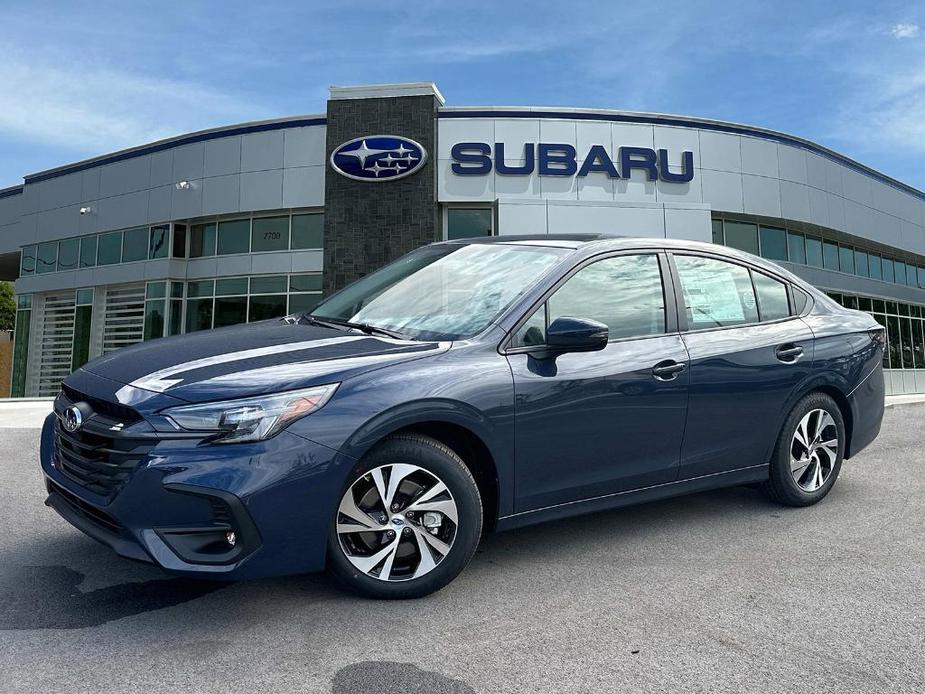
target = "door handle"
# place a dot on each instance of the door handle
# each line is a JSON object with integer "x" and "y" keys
{"x": 788, "y": 353}
{"x": 667, "y": 370}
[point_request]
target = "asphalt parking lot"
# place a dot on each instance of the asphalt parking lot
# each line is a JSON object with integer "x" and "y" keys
{"x": 717, "y": 592}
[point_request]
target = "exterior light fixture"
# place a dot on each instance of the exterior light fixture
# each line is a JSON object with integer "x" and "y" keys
{"x": 183, "y": 185}
{"x": 86, "y": 210}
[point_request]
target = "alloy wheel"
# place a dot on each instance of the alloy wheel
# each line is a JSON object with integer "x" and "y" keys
{"x": 397, "y": 522}
{"x": 814, "y": 450}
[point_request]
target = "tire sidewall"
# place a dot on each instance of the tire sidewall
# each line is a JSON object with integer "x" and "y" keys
{"x": 442, "y": 462}
{"x": 782, "y": 470}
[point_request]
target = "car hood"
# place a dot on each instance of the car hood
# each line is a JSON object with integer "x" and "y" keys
{"x": 253, "y": 359}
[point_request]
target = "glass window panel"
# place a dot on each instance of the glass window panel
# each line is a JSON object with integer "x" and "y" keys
{"x": 135, "y": 245}
{"x": 849, "y": 301}
{"x": 176, "y": 290}
{"x": 27, "y": 262}
{"x": 887, "y": 266}
{"x": 891, "y": 307}
{"x": 911, "y": 278}
{"x": 110, "y": 249}
{"x": 772, "y": 297}
{"x": 773, "y": 243}
{"x": 202, "y": 240}
{"x": 905, "y": 327}
{"x": 230, "y": 287}
{"x": 274, "y": 284}
{"x": 918, "y": 346}
{"x": 155, "y": 315}
{"x": 267, "y": 307}
{"x": 879, "y": 305}
{"x": 800, "y": 299}
{"x": 846, "y": 259}
{"x": 860, "y": 263}
{"x": 742, "y": 236}
{"x": 903, "y": 309}
{"x": 921, "y": 278}
{"x": 303, "y": 303}
{"x": 159, "y": 245}
{"x": 796, "y": 248}
{"x": 835, "y": 296}
{"x": 625, "y": 293}
{"x": 198, "y": 314}
{"x": 24, "y": 301}
{"x": 874, "y": 266}
{"x": 307, "y": 230}
{"x": 80, "y": 352}
{"x": 175, "y": 321}
{"x": 865, "y": 304}
{"x": 893, "y": 342}
{"x": 179, "y": 241}
{"x": 234, "y": 237}
{"x": 533, "y": 332}
{"x": 230, "y": 310}
{"x": 830, "y": 255}
{"x": 886, "y": 353}
{"x": 305, "y": 283}
{"x": 464, "y": 223}
{"x": 68, "y": 252}
{"x": 84, "y": 296}
{"x": 20, "y": 352}
{"x": 200, "y": 288}
{"x": 717, "y": 237}
{"x": 156, "y": 290}
{"x": 270, "y": 234}
{"x": 716, "y": 293}
{"x": 88, "y": 251}
{"x": 813, "y": 251}
{"x": 899, "y": 270}
{"x": 46, "y": 257}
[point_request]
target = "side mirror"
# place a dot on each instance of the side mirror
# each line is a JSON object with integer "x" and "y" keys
{"x": 576, "y": 335}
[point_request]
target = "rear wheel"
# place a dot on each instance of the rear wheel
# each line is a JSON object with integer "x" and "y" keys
{"x": 809, "y": 452}
{"x": 408, "y": 522}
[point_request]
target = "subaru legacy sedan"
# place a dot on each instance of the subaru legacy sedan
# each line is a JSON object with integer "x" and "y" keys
{"x": 470, "y": 386}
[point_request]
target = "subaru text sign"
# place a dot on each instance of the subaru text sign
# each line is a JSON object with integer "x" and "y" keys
{"x": 560, "y": 159}
{"x": 378, "y": 158}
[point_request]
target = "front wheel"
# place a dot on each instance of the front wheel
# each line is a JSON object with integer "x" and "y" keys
{"x": 408, "y": 522}
{"x": 809, "y": 452}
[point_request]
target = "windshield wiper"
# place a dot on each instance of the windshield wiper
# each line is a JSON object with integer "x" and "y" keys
{"x": 362, "y": 327}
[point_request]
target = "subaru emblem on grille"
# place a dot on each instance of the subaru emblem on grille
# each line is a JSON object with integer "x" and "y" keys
{"x": 72, "y": 419}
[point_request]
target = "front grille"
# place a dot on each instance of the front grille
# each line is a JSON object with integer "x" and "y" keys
{"x": 125, "y": 414}
{"x": 105, "y": 451}
{"x": 82, "y": 508}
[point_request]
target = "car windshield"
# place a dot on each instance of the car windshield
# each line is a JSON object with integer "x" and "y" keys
{"x": 443, "y": 292}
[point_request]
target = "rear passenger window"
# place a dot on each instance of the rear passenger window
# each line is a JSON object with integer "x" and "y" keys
{"x": 772, "y": 297}
{"x": 624, "y": 292}
{"x": 716, "y": 293}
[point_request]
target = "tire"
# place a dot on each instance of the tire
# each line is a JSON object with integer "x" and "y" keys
{"x": 425, "y": 537}
{"x": 802, "y": 475}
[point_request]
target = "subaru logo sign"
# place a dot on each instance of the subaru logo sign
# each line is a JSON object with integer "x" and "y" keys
{"x": 378, "y": 158}
{"x": 72, "y": 419}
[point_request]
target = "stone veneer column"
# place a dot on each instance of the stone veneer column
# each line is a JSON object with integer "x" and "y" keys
{"x": 368, "y": 224}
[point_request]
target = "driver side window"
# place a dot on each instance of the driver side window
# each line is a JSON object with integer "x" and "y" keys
{"x": 625, "y": 293}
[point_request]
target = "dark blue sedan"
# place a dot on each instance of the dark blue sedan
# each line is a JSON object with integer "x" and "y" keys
{"x": 469, "y": 386}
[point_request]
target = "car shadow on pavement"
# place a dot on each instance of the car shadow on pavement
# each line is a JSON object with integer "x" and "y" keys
{"x": 52, "y": 596}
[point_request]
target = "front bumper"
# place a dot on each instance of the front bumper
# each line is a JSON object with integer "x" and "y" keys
{"x": 177, "y": 505}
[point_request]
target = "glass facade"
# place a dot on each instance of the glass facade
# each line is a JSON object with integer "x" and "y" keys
{"x": 469, "y": 222}
{"x": 794, "y": 246}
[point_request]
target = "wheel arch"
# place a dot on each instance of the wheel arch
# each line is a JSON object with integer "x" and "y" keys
{"x": 829, "y": 386}
{"x": 468, "y": 432}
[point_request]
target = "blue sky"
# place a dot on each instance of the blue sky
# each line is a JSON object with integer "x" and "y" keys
{"x": 83, "y": 78}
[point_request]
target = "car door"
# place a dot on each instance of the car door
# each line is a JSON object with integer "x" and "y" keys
{"x": 748, "y": 352}
{"x": 595, "y": 423}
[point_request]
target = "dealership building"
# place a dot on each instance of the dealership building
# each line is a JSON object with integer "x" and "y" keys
{"x": 258, "y": 220}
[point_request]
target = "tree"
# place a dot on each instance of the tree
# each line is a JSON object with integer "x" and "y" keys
{"x": 7, "y": 306}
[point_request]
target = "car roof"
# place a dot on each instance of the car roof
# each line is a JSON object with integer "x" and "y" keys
{"x": 591, "y": 244}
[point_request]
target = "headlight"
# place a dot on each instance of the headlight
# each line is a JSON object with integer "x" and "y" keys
{"x": 251, "y": 419}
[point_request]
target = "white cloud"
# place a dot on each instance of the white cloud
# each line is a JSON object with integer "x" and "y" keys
{"x": 905, "y": 30}
{"x": 90, "y": 109}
